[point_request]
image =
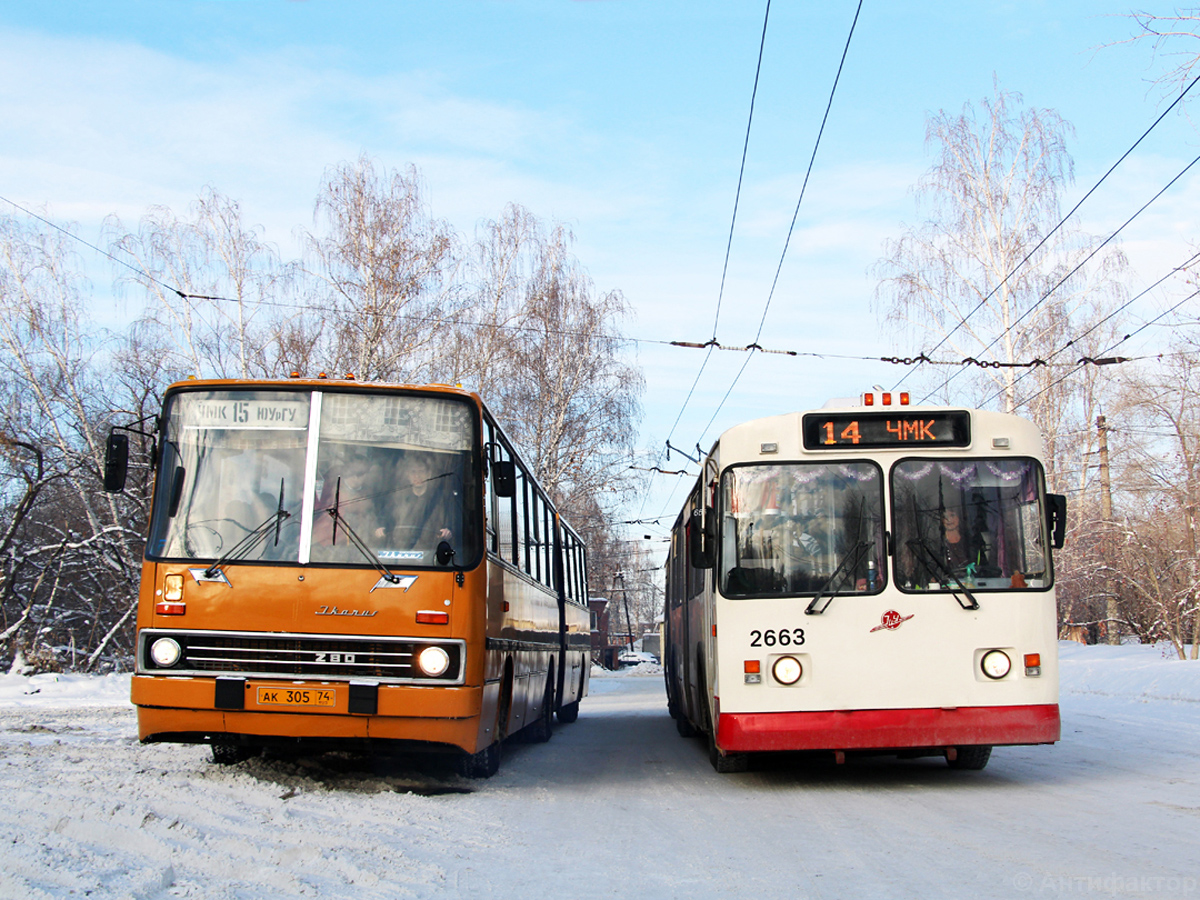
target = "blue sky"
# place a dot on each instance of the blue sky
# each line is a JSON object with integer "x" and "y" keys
{"x": 624, "y": 120}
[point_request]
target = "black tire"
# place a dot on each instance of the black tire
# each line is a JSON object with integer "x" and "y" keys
{"x": 483, "y": 764}
{"x": 568, "y": 713}
{"x": 229, "y": 753}
{"x": 543, "y": 728}
{"x": 684, "y": 726}
{"x": 972, "y": 758}
{"x": 726, "y": 763}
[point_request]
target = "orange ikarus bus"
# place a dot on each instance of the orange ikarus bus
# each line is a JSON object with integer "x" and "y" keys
{"x": 333, "y": 563}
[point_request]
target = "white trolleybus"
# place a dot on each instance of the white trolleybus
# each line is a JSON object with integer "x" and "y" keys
{"x": 332, "y": 562}
{"x": 870, "y": 577}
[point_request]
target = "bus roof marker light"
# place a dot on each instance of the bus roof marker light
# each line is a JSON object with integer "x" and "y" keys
{"x": 887, "y": 398}
{"x": 904, "y": 398}
{"x": 868, "y": 399}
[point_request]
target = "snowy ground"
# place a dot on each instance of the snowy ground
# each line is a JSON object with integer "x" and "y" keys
{"x": 615, "y": 805}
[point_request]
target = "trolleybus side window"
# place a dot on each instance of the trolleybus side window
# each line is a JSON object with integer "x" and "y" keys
{"x": 802, "y": 528}
{"x": 976, "y": 520}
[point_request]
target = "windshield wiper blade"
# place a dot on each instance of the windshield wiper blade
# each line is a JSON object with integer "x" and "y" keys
{"x": 849, "y": 561}
{"x": 361, "y": 545}
{"x": 946, "y": 574}
{"x": 250, "y": 542}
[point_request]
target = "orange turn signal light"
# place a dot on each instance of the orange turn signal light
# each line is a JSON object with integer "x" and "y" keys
{"x": 752, "y": 665}
{"x": 1033, "y": 659}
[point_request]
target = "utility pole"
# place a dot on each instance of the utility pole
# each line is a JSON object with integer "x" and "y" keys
{"x": 1112, "y": 629}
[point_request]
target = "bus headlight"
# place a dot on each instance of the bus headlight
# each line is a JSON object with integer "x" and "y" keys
{"x": 995, "y": 664}
{"x": 433, "y": 661}
{"x": 787, "y": 670}
{"x": 165, "y": 652}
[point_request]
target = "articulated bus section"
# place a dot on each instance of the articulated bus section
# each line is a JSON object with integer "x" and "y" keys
{"x": 333, "y": 563}
{"x": 866, "y": 580}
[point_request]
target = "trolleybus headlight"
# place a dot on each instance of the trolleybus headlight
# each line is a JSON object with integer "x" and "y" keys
{"x": 995, "y": 664}
{"x": 433, "y": 661}
{"x": 165, "y": 652}
{"x": 787, "y": 670}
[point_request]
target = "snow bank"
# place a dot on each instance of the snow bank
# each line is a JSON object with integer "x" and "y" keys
{"x": 1128, "y": 671}
{"x": 59, "y": 690}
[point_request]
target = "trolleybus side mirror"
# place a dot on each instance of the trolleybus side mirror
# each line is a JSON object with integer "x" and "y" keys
{"x": 116, "y": 461}
{"x": 700, "y": 539}
{"x": 504, "y": 477}
{"x": 1056, "y": 513}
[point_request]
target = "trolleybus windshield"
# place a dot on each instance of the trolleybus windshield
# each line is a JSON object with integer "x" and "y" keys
{"x": 801, "y": 528}
{"x": 978, "y": 521}
{"x": 255, "y": 475}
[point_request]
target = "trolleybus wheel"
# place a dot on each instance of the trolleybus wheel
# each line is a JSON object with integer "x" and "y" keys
{"x": 684, "y": 725}
{"x": 568, "y": 712}
{"x": 483, "y": 764}
{"x": 726, "y": 762}
{"x": 971, "y": 758}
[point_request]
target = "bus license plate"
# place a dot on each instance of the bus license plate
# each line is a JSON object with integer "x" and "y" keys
{"x": 270, "y": 696}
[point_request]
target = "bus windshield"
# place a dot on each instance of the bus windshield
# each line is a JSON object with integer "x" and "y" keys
{"x": 802, "y": 528}
{"x": 978, "y": 521}
{"x": 350, "y": 478}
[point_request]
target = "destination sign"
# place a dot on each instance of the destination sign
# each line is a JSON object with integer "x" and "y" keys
{"x": 246, "y": 412}
{"x": 879, "y": 430}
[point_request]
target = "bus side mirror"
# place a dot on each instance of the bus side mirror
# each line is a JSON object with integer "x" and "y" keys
{"x": 116, "y": 461}
{"x": 1056, "y": 518}
{"x": 504, "y": 477}
{"x": 700, "y": 539}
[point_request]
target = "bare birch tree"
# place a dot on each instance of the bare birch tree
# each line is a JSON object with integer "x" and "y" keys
{"x": 387, "y": 266}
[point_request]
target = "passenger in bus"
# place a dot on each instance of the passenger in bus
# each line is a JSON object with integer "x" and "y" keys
{"x": 354, "y": 482}
{"x": 424, "y": 503}
{"x": 962, "y": 549}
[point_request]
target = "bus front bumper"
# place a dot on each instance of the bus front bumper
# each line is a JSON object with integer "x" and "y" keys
{"x": 888, "y": 729}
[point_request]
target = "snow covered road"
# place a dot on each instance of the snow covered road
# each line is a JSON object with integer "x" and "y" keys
{"x": 615, "y": 805}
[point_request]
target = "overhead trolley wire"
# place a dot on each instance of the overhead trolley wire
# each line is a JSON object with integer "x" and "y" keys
{"x": 791, "y": 228}
{"x": 1052, "y": 231}
{"x": 1066, "y": 277}
{"x": 732, "y": 224}
{"x": 1131, "y": 301}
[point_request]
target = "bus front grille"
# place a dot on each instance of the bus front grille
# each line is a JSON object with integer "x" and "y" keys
{"x": 298, "y": 656}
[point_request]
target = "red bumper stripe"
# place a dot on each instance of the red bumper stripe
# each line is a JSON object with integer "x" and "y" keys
{"x": 883, "y": 729}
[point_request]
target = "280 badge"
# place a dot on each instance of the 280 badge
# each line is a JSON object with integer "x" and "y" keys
{"x": 782, "y": 637}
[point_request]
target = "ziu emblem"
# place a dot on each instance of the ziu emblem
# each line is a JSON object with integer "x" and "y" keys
{"x": 891, "y": 620}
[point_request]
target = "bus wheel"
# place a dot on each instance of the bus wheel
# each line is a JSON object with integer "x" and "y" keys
{"x": 483, "y": 764}
{"x": 228, "y": 753}
{"x": 726, "y": 762}
{"x": 684, "y": 725}
{"x": 541, "y": 730}
{"x": 971, "y": 758}
{"x": 568, "y": 712}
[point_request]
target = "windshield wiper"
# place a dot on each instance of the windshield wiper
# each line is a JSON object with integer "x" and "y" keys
{"x": 250, "y": 542}
{"x": 947, "y": 575}
{"x": 849, "y": 561}
{"x": 359, "y": 544}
